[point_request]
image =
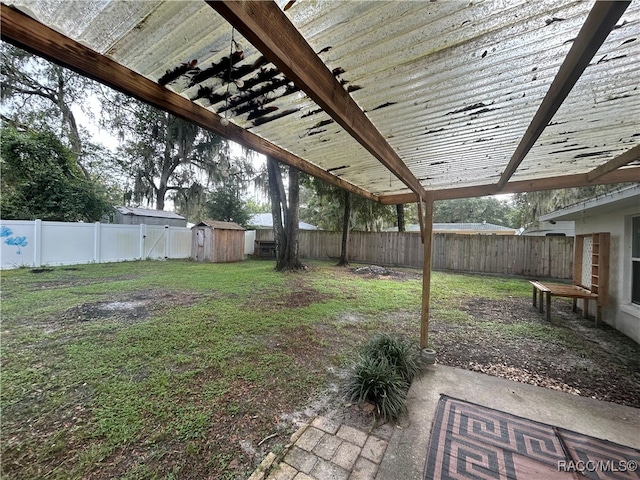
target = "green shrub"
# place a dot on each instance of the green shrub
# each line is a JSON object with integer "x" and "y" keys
{"x": 373, "y": 379}
{"x": 382, "y": 375}
{"x": 401, "y": 354}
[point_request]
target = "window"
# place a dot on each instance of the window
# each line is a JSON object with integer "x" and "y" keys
{"x": 635, "y": 260}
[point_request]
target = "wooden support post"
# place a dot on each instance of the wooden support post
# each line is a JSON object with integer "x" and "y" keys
{"x": 421, "y": 220}
{"x": 427, "y": 220}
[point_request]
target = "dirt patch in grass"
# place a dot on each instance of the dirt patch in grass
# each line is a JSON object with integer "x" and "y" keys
{"x": 507, "y": 310}
{"x": 300, "y": 295}
{"x": 382, "y": 273}
{"x": 131, "y": 306}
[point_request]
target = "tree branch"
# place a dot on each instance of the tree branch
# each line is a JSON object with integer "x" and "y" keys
{"x": 38, "y": 93}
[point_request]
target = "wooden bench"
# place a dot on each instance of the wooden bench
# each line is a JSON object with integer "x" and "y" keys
{"x": 590, "y": 268}
{"x": 562, "y": 290}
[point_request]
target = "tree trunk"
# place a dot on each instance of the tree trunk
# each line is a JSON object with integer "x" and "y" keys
{"x": 69, "y": 120}
{"x": 344, "y": 250}
{"x": 161, "y": 192}
{"x": 275, "y": 194}
{"x": 292, "y": 223}
{"x": 285, "y": 229}
{"x": 400, "y": 211}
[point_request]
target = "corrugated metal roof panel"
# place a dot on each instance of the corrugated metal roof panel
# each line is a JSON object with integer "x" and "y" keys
{"x": 471, "y": 226}
{"x": 600, "y": 118}
{"x": 437, "y": 63}
{"x": 146, "y": 212}
{"x": 452, "y": 86}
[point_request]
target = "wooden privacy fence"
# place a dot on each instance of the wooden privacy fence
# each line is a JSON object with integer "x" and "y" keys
{"x": 540, "y": 257}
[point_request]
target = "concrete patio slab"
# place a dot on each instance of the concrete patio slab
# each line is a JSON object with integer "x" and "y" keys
{"x": 406, "y": 452}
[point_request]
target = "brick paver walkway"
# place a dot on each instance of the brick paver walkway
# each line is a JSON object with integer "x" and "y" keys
{"x": 327, "y": 450}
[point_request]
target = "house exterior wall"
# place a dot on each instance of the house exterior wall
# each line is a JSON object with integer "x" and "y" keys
{"x": 620, "y": 313}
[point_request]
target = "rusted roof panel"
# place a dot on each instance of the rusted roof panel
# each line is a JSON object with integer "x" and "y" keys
{"x": 452, "y": 86}
{"x": 600, "y": 119}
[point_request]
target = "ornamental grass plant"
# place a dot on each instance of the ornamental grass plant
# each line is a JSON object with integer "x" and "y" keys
{"x": 399, "y": 352}
{"x": 382, "y": 375}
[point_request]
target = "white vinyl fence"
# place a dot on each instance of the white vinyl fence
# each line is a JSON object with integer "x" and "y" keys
{"x": 37, "y": 243}
{"x": 249, "y": 242}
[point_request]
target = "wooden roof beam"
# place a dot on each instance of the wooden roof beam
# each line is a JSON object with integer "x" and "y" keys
{"x": 596, "y": 28}
{"x": 626, "y": 158}
{"x": 268, "y": 29}
{"x": 29, "y": 34}
{"x": 628, "y": 174}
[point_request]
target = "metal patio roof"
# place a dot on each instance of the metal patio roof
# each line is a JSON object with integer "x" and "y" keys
{"x": 388, "y": 99}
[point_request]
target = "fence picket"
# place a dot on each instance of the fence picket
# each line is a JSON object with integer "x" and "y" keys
{"x": 543, "y": 257}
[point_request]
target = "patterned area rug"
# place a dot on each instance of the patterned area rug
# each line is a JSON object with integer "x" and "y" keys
{"x": 469, "y": 441}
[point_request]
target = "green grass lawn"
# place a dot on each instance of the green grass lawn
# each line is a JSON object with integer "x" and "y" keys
{"x": 179, "y": 369}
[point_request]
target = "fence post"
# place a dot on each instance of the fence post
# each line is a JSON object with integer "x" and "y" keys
{"x": 167, "y": 242}
{"x": 97, "y": 234}
{"x": 143, "y": 235}
{"x": 37, "y": 243}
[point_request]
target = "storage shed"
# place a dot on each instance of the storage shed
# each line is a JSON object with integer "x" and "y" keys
{"x": 137, "y": 216}
{"x": 217, "y": 242}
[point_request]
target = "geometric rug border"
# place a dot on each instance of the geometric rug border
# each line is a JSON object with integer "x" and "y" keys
{"x": 444, "y": 396}
{"x": 429, "y": 470}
